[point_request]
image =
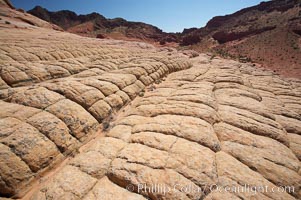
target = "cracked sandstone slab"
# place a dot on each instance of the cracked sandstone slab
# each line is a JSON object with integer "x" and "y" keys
{"x": 205, "y": 122}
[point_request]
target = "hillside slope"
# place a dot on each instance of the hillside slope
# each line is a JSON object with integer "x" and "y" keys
{"x": 268, "y": 33}
{"x": 19, "y": 18}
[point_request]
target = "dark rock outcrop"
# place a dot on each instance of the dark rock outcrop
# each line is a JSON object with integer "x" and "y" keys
{"x": 223, "y": 37}
{"x": 189, "y": 39}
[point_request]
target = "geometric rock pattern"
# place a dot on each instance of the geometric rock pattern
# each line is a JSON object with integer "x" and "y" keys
{"x": 83, "y": 118}
{"x": 219, "y": 123}
{"x": 55, "y": 93}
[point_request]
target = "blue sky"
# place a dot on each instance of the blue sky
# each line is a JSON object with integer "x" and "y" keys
{"x": 168, "y": 15}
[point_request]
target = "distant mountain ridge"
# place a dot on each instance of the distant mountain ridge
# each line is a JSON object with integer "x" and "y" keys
{"x": 96, "y": 25}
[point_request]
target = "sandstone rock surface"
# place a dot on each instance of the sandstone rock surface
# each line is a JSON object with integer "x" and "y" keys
{"x": 83, "y": 118}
